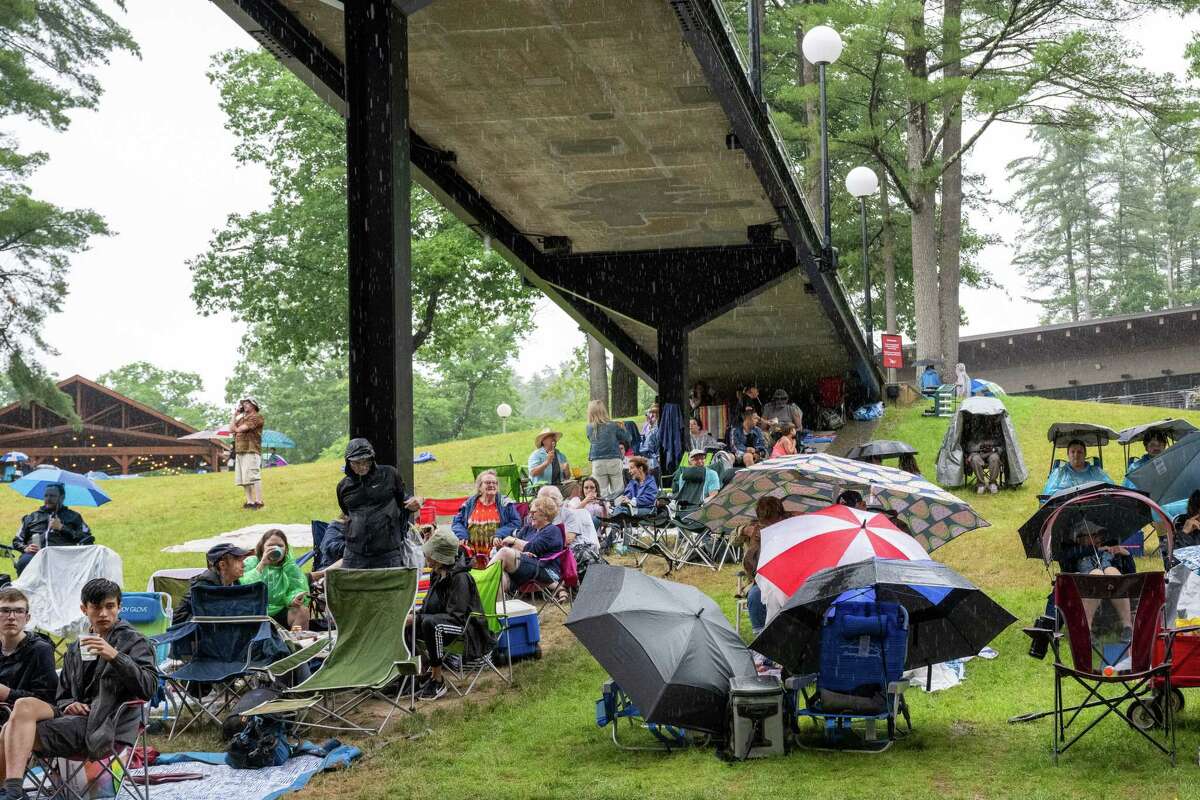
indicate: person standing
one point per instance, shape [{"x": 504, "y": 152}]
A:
[
  {"x": 378, "y": 505},
  {"x": 606, "y": 439},
  {"x": 52, "y": 525},
  {"x": 247, "y": 428}
]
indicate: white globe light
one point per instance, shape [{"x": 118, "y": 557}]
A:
[
  {"x": 822, "y": 45},
  {"x": 862, "y": 182},
  {"x": 504, "y": 411}
]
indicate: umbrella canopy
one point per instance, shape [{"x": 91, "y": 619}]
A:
[
  {"x": 1171, "y": 475},
  {"x": 796, "y": 548},
  {"x": 80, "y": 490},
  {"x": 948, "y": 616},
  {"x": 1117, "y": 509},
  {"x": 277, "y": 440},
  {"x": 97, "y": 475},
  {"x": 211, "y": 433},
  {"x": 1061, "y": 434},
  {"x": 986, "y": 387},
  {"x": 14, "y": 456},
  {"x": 881, "y": 448},
  {"x": 668, "y": 645},
  {"x": 811, "y": 482},
  {"x": 1173, "y": 429}
]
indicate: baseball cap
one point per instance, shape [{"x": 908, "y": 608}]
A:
[
  {"x": 217, "y": 552},
  {"x": 697, "y": 452}
]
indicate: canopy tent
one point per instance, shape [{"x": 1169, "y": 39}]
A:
[{"x": 976, "y": 413}]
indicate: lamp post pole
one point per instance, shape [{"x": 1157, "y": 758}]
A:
[
  {"x": 862, "y": 209},
  {"x": 822, "y": 45}
]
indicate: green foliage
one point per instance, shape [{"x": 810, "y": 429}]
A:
[
  {"x": 173, "y": 392},
  {"x": 306, "y": 402},
  {"x": 283, "y": 269},
  {"x": 568, "y": 388},
  {"x": 459, "y": 398}
]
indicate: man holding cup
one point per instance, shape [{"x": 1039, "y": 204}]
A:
[{"x": 52, "y": 525}]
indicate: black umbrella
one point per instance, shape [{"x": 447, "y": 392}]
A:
[
  {"x": 1117, "y": 509},
  {"x": 666, "y": 644},
  {"x": 1173, "y": 429},
  {"x": 881, "y": 448},
  {"x": 948, "y": 617}
]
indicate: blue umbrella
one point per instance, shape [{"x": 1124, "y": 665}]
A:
[
  {"x": 80, "y": 490},
  {"x": 277, "y": 440},
  {"x": 14, "y": 456},
  {"x": 986, "y": 387}
]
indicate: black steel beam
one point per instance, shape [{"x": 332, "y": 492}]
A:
[
  {"x": 379, "y": 255},
  {"x": 702, "y": 29}
]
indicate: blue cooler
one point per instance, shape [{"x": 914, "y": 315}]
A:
[{"x": 523, "y": 633}]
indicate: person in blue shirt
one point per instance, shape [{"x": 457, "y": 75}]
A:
[
  {"x": 1078, "y": 470},
  {"x": 746, "y": 440},
  {"x": 712, "y": 483},
  {"x": 930, "y": 380},
  {"x": 1154, "y": 442},
  {"x": 521, "y": 553},
  {"x": 641, "y": 492},
  {"x": 649, "y": 448},
  {"x": 547, "y": 464}
]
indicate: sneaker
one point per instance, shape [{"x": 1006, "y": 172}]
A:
[
  {"x": 432, "y": 690},
  {"x": 980, "y": 489},
  {"x": 993, "y": 488}
]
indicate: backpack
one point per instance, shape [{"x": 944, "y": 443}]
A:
[{"x": 261, "y": 743}]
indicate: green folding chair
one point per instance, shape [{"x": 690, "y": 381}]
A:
[
  {"x": 511, "y": 481},
  {"x": 368, "y": 654},
  {"x": 487, "y": 584}
]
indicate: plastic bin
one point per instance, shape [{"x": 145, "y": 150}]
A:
[{"x": 523, "y": 634}]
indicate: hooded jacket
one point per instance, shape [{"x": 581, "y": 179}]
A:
[
  {"x": 106, "y": 685},
  {"x": 375, "y": 505},
  {"x": 455, "y": 595},
  {"x": 28, "y": 671}
]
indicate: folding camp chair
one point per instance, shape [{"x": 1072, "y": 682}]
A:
[
  {"x": 614, "y": 705},
  {"x": 368, "y": 654},
  {"x": 863, "y": 649},
  {"x": 150, "y": 614},
  {"x": 228, "y": 639},
  {"x": 75, "y": 777},
  {"x": 318, "y": 536},
  {"x": 563, "y": 562},
  {"x": 173, "y": 582},
  {"x": 1110, "y": 663},
  {"x": 512, "y": 484},
  {"x": 495, "y": 613}
]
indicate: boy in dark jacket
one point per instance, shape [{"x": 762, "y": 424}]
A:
[
  {"x": 86, "y": 718},
  {"x": 26, "y": 658},
  {"x": 451, "y": 610}
]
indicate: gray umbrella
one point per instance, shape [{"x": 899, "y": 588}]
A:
[
  {"x": 1061, "y": 434},
  {"x": 881, "y": 448},
  {"x": 666, "y": 644},
  {"x": 1173, "y": 429},
  {"x": 1173, "y": 474},
  {"x": 948, "y": 617}
]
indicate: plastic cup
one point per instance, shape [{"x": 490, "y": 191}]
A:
[{"x": 87, "y": 653}]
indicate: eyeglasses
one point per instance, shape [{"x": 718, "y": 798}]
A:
[{"x": 9, "y": 611}]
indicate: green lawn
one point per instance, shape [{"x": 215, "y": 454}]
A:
[{"x": 538, "y": 738}]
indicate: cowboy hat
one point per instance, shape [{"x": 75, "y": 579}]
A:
[{"x": 537, "y": 440}]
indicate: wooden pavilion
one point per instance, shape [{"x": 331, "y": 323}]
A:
[{"x": 119, "y": 435}]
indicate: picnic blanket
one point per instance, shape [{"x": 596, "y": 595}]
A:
[
  {"x": 227, "y": 783},
  {"x": 298, "y": 535}
]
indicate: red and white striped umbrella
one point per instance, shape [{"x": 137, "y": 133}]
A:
[{"x": 796, "y": 548}]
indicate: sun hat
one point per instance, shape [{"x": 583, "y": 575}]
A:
[
  {"x": 441, "y": 547},
  {"x": 537, "y": 440}
]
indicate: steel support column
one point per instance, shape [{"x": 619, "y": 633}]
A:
[
  {"x": 380, "y": 268},
  {"x": 672, "y": 376}
]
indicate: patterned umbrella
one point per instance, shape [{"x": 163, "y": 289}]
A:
[
  {"x": 811, "y": 482},
  {"x": 797, "y": 547}
]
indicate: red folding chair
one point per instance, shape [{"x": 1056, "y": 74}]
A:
[
  {"x": 121, "y": 773},
  {"x": 542, "y": 594}
]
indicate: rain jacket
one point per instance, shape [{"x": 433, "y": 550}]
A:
[
  {"x": 74, "y": 530},
  {"x": 1064, "y": 475},
  {"x": 510, "y": 518},
  {"x": 644, "y": 494},
  {"x": 375, "y": 505},
  {"x": 283, "y": 582},
  {"x": 333, "y": 546},
  {"x": 106, "y": 685},
  {"x": 454, "y": 594},
  {"x": 28, "y": 671}
]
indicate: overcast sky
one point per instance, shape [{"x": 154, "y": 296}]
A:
[{"x": 155, "y": 160}]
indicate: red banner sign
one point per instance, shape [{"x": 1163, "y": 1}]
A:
[{"x": 893, "y": 351}]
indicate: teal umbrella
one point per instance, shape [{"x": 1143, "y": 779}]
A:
[{"x": 276, "y": 440}]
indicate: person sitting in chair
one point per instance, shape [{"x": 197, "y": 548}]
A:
[
  {"x": 1188, "y": 532},
  {"x": 746, "y": 440},
  {"x": 641, "y": 492},
  {"x": 226, "y": 565},
  {"x": 106, "y": 668},
  {"x": 712, "y": 483},
  {"x": 52, "y": 525},
  {"x": 521, "y": 553},
  {"x": 1092, "y": 556},
  {"x": 1155, "y": 443},
  {"x": 985, "y": 457},
  {"x": 578, "y": 526},
  {"x": 26, "y": 657},
  {"x": 852, "y": 499},
  {"x": 451, "y": 610}
]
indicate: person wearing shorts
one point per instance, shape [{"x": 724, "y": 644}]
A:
[
  {"x": 247, "y": 428},
  {"x": 86, "y": 717}
]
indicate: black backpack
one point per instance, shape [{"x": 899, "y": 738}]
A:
[{"x": 261, "y": 743}]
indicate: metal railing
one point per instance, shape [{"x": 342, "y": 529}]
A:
[{"x": 1168, "y": 398}]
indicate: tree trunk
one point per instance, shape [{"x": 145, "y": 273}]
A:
[
  {"x": 597, "y": 370},
  {"x": 624, "y": 390},
  {"x": 926, "y": 301},
  {"x": 461, "y": 422},
  {"x": 950, "y": 252},
  {"x": 1069, "y": 246},
  {"x": 1086, "y": 298},
  {"x": 887, "y": 254}
]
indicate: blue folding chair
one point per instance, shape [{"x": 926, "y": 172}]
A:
[
  {"x": 863, "y": 649},
  {"x": 150, "y": 615},
  {"x": 318, "y": 536},
  {"x": 614, "y": 705},
  {"x": 228, "y": 638}
]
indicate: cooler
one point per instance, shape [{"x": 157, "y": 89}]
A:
[
  {"x": 756, "y": 716},
  {"x": 523, "y": 632}
]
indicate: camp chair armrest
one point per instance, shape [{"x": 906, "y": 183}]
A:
[
  {"x": 799, "y": 682},
  {"x": 897, "y": 687},
  {"x": 175, "y": 633},
  {"x": 1176, "y": 631}
]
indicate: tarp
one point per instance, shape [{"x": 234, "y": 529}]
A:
[
  {"x": 267, "y": 783},
  {"x": 950, "y": 470},
  {"x": 298, "y": 536},
  {"x": 53, "y": 579}
]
